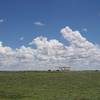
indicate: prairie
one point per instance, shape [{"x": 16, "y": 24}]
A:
[{"x": 31, "y": 85}]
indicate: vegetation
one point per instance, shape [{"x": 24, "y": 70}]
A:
[{"x": 84, "y": 85}]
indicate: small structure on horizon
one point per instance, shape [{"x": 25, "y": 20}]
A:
[{"x": 64, "y": 68}]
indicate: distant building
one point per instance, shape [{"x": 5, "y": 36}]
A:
[{"x": 64, "y": 68}]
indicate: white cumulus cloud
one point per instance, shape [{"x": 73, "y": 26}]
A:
[{"x": 80, "y": 54}]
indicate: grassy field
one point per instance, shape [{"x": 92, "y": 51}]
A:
[{"x": 50, "y": 85}]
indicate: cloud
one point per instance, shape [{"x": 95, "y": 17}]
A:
[
  {"x": 2, "y": 20},
  {"x": 38, "y": 23},
  {"x": 84, "y": 52},
  {"x": 99, "y": 14},
  {"x": 80, "y": 54},
  {"x": 21, "y": 38},
  {"x": 84, "y": 30},
  {"x": 75, "y": 38},
  {"x": 0, "y": 43}
]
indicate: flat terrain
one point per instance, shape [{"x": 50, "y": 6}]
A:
[{"x": 83, "y": 85}]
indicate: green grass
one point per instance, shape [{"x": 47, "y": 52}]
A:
[{"x": 83, "y": 85}]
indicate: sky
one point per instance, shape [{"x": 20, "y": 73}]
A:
[{"x": 29, "y": 26}]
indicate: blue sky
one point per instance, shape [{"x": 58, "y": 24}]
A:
[
  {"x": 19, "y": 17},
  {"x": 42, "y": 24}
]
